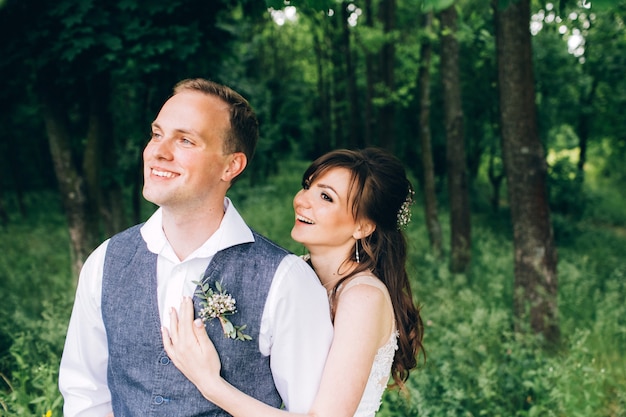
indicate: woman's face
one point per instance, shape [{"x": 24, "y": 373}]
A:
[{"x": 323, "y": 214}]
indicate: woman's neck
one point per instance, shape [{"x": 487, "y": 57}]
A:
[{"x": 330, "y": 268}]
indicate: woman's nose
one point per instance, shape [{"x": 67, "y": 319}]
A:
[{"x": 300, "y": 198}]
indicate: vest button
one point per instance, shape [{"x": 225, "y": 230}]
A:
[
  {"x": 165, "y": 360},
  {"x": 158, "y": 399}
]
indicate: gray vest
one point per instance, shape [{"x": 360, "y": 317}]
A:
[{"x": 142, "y": 379}]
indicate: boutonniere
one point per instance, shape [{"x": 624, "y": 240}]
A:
[{"x": 219, "y": 304}]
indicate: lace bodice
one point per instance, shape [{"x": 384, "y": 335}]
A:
[{"x": 377, "y": 381}]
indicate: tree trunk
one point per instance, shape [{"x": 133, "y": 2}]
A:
[
  {"x": 430, "y": 195},
  {"x": 583, "y": 127},
  {"x": 354, "y": 132},
  {"x": 460, "y": 222},
  {"x": 4, "y": 215},
  {"x": 16, "y": 174},
  {"x": 104, "y": 192},
  {"x": 370, "y": 70},
  {"x": 387, "y": 111},
  {"x": 137, "y": 187},
  {"x": 98, "y": 130},
  {"x": 72, "y": 185},
  {"x": 338, "y": 83},
  {"x": 535, "y": 286},
  {"x": 322, "y": 105},
  {"x": 495, "y": 178}
]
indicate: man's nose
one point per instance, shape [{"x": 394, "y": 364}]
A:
[{"x": 163, "y": 149}]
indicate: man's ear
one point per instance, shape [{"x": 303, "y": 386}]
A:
[
  {"x": 364, "y": 229},
  {"x": 237, "y": 162}
]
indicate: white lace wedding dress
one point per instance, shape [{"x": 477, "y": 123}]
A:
[{"x": 377, "y": 381}]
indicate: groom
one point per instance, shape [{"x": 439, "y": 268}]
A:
[{"x": 113, "y": 360}]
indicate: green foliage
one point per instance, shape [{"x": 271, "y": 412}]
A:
[
  {"x": 605, "y": 170},
  {"x": 566, "y": 188},
  {"x": 34, "y": 354},
  {"x": 37, "y": 289},
  {"x": 313, "y": 4},
  {"x": 294, "y": 73},
  {"x": 477, "y": 365}
]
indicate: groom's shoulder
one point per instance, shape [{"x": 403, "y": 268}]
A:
[
  {"x": 268, "y": 244},
  {"x": 132, "y": 233}
]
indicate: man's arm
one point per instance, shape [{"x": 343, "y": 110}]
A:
[
  {"x": 83, "y": 370},
  {"x": 297, "y": 327}
]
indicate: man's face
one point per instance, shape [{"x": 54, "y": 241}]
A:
[{"x": 184, "y": 162}]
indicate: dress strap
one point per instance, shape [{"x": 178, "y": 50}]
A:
[{"x": 372, "y": 281}]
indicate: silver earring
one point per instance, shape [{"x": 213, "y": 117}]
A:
[{"x": 357, "y": 252}]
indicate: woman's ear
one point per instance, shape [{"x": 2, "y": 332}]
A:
[
  {"x": 236, "y": 164},
  {"x": 364, "y": 229}
]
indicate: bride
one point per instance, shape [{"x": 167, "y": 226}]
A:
[{"x": 349, "y": 215}]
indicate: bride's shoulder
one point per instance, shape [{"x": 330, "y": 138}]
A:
[
  {"x": 365, "y": 289},
  {"x": 366, "y": 297}
]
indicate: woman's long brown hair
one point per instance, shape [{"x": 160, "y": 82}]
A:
[{"x": 378, "y": 190}]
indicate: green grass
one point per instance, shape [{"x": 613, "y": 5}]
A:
[
  {"x": 37, "y": 293},
  {"x": 476, "y": 365}
]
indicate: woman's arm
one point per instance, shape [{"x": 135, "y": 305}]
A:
[
  {"x": 363, "y": 321},
  {"x": 361, "y": 326}
]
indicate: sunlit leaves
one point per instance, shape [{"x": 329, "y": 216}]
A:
[
  {"x": 437, "y": 5},
  {"x": 312, "y": 4}
]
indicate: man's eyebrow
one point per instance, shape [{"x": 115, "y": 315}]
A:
[{"x": 184, "y": 131}]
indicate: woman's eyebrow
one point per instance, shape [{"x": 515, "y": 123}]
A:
[{"x": 327, "y": 187}]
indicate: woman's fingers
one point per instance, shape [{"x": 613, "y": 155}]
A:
[
  {"x": 184, "y": 319},
  {"x": 202, "y": 337},
  {"x": 180, "y": 332},
  {"x": 186, "y": 309},
  {"x": 187, "y": 344},
  {"x": 209, "y": 353}
]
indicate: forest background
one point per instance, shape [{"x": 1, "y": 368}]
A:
[{"x": 508, "y": 115}]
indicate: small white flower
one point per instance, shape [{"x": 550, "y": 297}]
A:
[
  {"x": 217, "y": 305},
  {"x": 404, "y": 214}
]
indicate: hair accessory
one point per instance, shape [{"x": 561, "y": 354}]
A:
[
  {"x": 356, "y": 251},
  {"x": 404, "y": 214}
]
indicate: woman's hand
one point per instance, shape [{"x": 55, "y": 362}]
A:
[{"x": 189, "y": 347}]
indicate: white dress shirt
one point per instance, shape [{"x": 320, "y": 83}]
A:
[{"x": 295, "y": 327}]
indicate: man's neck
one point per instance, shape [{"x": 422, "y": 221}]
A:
[{"x": 186, "y": 232}]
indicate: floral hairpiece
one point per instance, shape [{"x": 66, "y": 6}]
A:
[
  {"x": 217, "y": 305},
  {"x": 404, "y": 214}
]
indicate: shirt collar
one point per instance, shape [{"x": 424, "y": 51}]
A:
[{"x": 233, "y": 231}]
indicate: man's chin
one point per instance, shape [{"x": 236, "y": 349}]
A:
[{"x": 151, "y": 196}]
